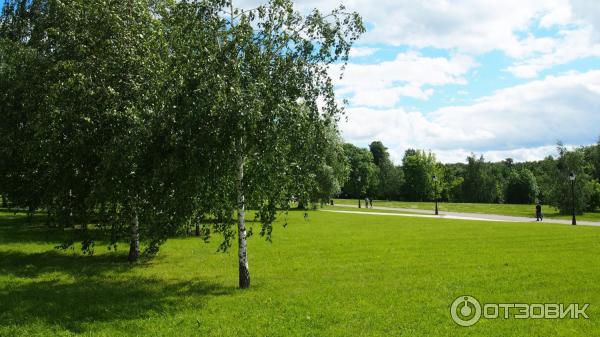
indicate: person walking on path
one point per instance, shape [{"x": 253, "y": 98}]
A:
[
  {"x": 366, "y": 202},
  {"x": 371, "y": 202},
  {"x": 538, "y": 212}
]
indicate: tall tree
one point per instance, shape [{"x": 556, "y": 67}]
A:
[
  {"x": 592, "y": 156},
  {"x": 333, "y": 172},
  {"x": 22, "y": 69},
  {"x": 521, "y": 187},
  {"x": 390, "y": 176},
  {"x": 108, "y": 62},
  {"x": 391, "y": 179},
  {"x": 272, "y": 73},
  {"x": 452, "y": 183},
  {"x": 545, "y": 172},
  {"x": 380, "y": 153},
  {"x": 480, "y": 184},
  {"x": 98, "y": 71},
  {"x": 561, "y": 196},
  {"x": 419, "y": 168},
  {"x": 363, "y": 172}
]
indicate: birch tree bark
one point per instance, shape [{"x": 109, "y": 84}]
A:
[
  {"x": 244, "y": 272},
  {"x": 134, "y": 243}
]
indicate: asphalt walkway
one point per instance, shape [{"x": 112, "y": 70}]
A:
[{"x": 422, "y": 213}]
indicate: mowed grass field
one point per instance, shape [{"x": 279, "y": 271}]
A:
[
  {"x": 500, "y": 209},
  {"x": 331, "y": 275}
]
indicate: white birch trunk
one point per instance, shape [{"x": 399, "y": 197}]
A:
[
  {"x": 241, "y": 210},
  {"x": 134, "y": 243}
]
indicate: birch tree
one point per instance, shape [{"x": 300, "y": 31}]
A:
[
  {"x": 156, "y": 113},
  {"x": 275, "y": 101},
  {"x": 21, "y": 98},
  {"x": 103, "y": 99},
  {"x": 91, "y": 94}
]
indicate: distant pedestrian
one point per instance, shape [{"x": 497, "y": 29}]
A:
[
  {"x": 371, "y": 202},
  {"x": 538, "y": 212},
  {"x": 366, "y": 202}
]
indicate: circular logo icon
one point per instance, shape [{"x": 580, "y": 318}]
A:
[{"x": 465, "y": 310}]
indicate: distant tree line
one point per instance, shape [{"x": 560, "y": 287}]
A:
[{"x": 547, "y": 181}]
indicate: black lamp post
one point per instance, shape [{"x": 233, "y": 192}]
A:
[
  {"x": 572, "y": 178},
  {"x": 435, "y": 195},
  {"x": 359, "y": 189}
]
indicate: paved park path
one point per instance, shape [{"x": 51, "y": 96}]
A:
[{"x": 422, "y": 213}]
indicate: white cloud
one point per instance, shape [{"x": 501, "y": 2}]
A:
[
  {"x": 362, "y": 51},
  {"x": 588, "y": 11},
  {"x": 521, "y": 154},
  {"x": 383, "y": 84},
  {"x": 521, "y": 122},
  {"x": 570, "y": 46},
  {"x": 471, "y": 26},
  {"x": 533, "y": 114},
  {"x": 475, "y": 27}
]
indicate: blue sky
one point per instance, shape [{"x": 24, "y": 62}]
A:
[{"x": 503, "y": 78}]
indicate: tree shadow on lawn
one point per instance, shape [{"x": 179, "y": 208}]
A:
[
  {"x": 20, "y": 228},
  {"x": 92, "y": 295},
  {"x": 35, "y": 264},
  {"x": 70, "y": 290}
]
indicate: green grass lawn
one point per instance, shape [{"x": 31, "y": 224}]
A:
[
  {"x": 500, "y": 209},
  {"x": 333, "y": 275}
]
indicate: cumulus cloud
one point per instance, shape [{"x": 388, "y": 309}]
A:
[
  {"x": 383, "y": 84},
  {"x": 468, "y": 25},
  {"x": 522, "y": 122},
  {"x": 475, "y": 27},
  {"x": 570, "y": 46},
  {"x": 472, "y": 26},
  {"x": 478, "y": 26},
  {"x": 362, "y": 52},
  {"x": 588, "y": 11},
  {"x": 520, "y": 154}
]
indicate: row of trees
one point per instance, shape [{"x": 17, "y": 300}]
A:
[
  {"x": 373, "y": 174},
  {"x": 144, "y": 116}
]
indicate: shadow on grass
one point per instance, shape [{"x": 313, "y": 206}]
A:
[
  {"x": 94, "y": 292},
  {"x": 20, "y": 228},
  {"x": 68, "y": 291},
  {"x": 71, "y": 305},
  {"x": 20, "y": 264}
]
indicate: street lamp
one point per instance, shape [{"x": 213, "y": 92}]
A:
[
  {"x": 358, "y": 187},
  {"x": 572, "y": 178},
  {"x": 435, "y": 195}
]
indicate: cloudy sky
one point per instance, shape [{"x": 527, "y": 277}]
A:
[{"x": 502, "y": 78}]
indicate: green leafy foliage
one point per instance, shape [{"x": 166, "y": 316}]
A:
[
  {"x": 567, "y": 192},
  {"x": 363, "y": 175},
  {"x": 391, "y": 177},
  {"x": 146, "y": 116},
  {"x": 480, "y": 181},
  {"x": 521, "y": 187},
  {"x": 480, "y": 184},
  {"x": 419, "y": 168}
]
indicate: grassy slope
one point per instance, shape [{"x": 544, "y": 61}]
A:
[
  {"x": 500, "y": 209},
  {"x": 334, "y": 275}
]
